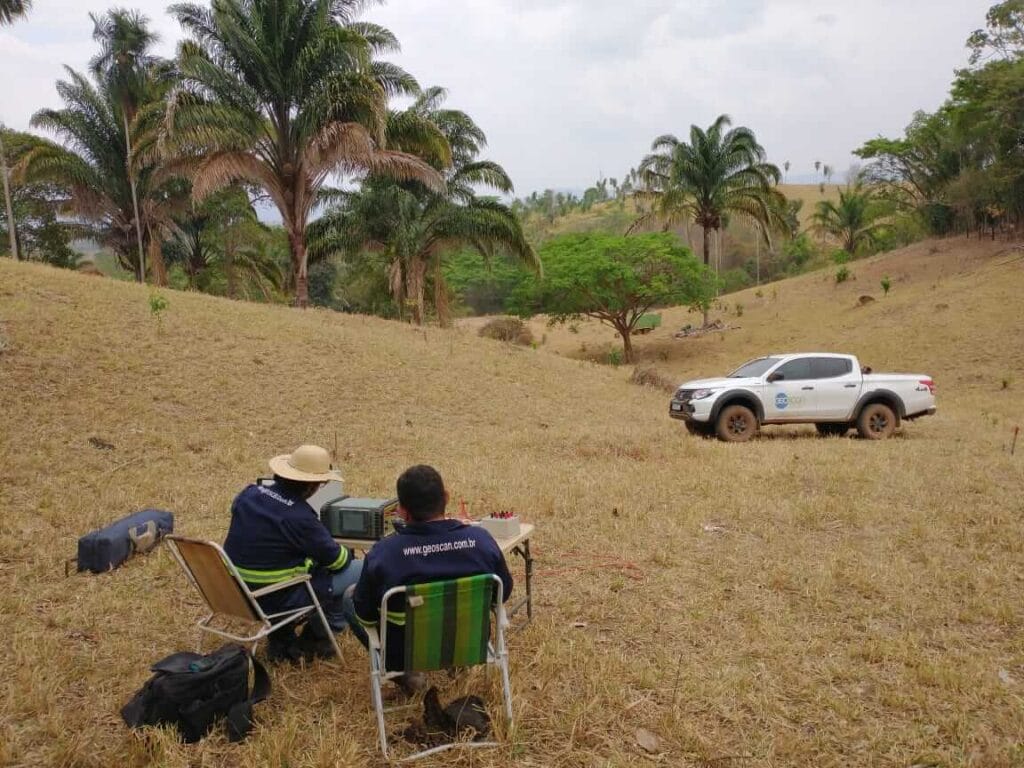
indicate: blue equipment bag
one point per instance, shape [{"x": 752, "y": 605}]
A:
[{"x": 109, "y": 547}]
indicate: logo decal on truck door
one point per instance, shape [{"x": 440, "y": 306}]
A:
[{"x": 781, "y": 401}]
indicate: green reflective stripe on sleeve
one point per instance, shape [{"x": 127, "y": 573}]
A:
[
  {"x": 254, "y": 576},
  {"x": 397, "y": 617},
  {"x": 341, "y": 561},
  {"x": 366, "y": 622}
]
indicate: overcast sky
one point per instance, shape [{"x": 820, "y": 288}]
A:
[{"x": 570, "y": 89}]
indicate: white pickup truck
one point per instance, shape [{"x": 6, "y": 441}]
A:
[{"x": 830, "y": 391}]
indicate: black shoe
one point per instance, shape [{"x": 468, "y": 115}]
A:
[
  {"x": 314, "y": 644},
  {"x": 283, "y": 645}
]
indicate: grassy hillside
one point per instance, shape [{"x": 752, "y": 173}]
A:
[{"x": 789, "y": 602}]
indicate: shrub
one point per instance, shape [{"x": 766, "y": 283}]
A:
[
  {"x": 842, "y": 275},
  {"x": 839, "y": 256},
  {"x": 158, "y": 304},
  {"x": 797, "y": 252},
  {"x": 649, "y": 376},
  {"x": 615, "y": 357},
  {"x": 735, "y": 280},
  {"x": 886, "y": 285},
  {"x": 510, "y": 329},
  {"x": 739, "y": 309}
]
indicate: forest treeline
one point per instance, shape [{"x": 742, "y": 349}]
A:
[{"x": 156, "y": 168}]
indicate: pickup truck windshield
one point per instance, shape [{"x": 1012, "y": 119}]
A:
[{"x": 754, "y": 368}]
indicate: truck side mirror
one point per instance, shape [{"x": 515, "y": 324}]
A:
[{"x": 775, "y": 377}]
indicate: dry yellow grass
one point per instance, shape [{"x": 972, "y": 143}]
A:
[{"x": 788, "y": 602}]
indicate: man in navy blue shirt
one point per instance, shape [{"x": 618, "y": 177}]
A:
[
  {"x": 429, "y": 548},
  {"x": 275, "y": 535}
]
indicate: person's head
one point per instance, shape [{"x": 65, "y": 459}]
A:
[
  {"x": 296, "y": 488},
  {"x": 421, "y": 494},
  {"x": 304, "y": 471}
]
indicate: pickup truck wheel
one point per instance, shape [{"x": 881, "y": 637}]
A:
[
  {"x": 876, "y": 422},
  {"x": 736, "y": 424},
  {"x": 831, "y": 429}
]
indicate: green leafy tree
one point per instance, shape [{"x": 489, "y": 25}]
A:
[
  {"x": 961, "y": 167},
  {"x": 281, "y": 94},
  {"x": 855, "y": 220},
  {"x": 615, "y": 280},
  {"x": 484, "y": 285},
  {"x": 1003, "y": 36},
  {"x": 11, "y": 10},
  {"x": 417, "y": 227},
  {"x": 916, "y": 171},
  {"x": 5, "y": 181},
  {"x": 38, "y": 233},
  {"x": 720, "y": 172}
]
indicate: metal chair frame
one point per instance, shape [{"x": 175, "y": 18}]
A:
[
  {"x": 497, "y": 655},
  {"x": 255, "y": 614}
]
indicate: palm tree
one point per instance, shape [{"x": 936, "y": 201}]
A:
[
  {"x": 414, "y": 226},
  {"x": 221, "y": 246},
  {"x": 856, "y": 220},
  {"x": 92, "y": 166},
  {"x": 720, "y": 172},
  {"x": 127, "y": 67},
  {"x": 281, "y": 94},
  {"x": 13, "y": 9}
]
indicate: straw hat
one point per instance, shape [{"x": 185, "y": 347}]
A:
[{"x": 307, "y": 463}]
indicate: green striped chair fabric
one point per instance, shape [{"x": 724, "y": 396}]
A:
[{"x": 448, "y": 623}]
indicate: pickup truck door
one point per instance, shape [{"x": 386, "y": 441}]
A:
[
  {"x": 793, "y": 397},
  {"x": 837, "y": 383}
]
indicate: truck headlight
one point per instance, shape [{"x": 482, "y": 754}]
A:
[{"x": 702, "y": 394}]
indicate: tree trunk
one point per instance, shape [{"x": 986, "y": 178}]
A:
[
  {"x": 11, "y": 230},
  {"x": 229, "y": 267},
  {"x": 297, "y": 240},
  {"x": 415, "y": 290},
  {"x": 627, "y": 344},
  {"x": 757, "y": 257},
  {"x": 444, "y": 315},
  {"x": 707, "y": 261},
  {"x": 135, "y": 196},
  {"x": 396, "y": 284},
  {"x": 156, "y": 260}
]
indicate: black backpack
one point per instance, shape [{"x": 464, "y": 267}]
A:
[{"x": 193, "y": 691}]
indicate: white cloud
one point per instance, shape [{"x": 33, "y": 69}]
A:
[{"x": 566, "y": 89}]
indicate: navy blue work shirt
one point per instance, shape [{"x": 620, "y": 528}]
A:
[
  {"x": 423, "y": 552},
  {"x": 275, "y": 536}
]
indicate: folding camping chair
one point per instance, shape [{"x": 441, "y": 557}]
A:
[
  {"x": 218, "y": 581},
  {"x": 447, "y": 625}
]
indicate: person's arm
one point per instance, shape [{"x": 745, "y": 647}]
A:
[
  {"x": 366, "y": 599},
  {"x": 316, "y": 543},
  {"x": 506, "y": 577},
  {"x": 499, "y": 566}
]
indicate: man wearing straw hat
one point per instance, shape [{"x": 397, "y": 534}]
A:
[{"x": 275, "y": 535}]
